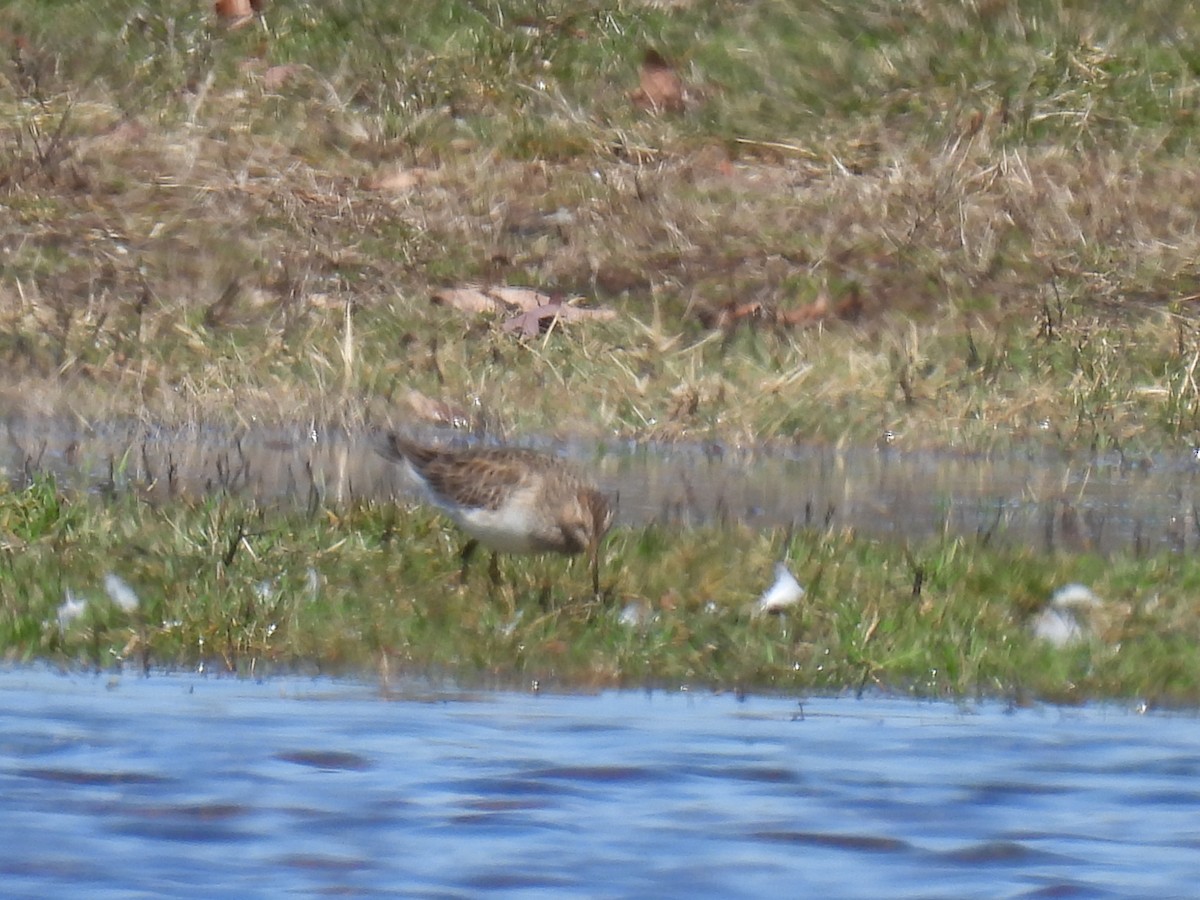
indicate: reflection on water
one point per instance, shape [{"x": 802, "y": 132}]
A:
[
  {"x": 1101, "y": 504},
  {"x": 185, "y": 786}
]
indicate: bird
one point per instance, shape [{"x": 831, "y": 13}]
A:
[{"x": 508, "y": 499}]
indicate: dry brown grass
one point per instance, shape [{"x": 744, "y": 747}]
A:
[{"x": 949, "y": 266}]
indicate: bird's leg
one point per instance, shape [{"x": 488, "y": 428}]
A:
[
  {"x": 494, "y": 568},
  {"x": 596, "y": 572},
  {"x": 467, "y": 550}
]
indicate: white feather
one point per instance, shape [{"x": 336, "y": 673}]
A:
[
  {"x": 120, "y": 593},
  {"x": 785, "y": 592},
  {"x": 72, "y": 608},
  {"x": 1064, "y": 620}
]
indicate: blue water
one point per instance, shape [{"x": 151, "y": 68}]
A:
[{"x": 191, "y": 786}]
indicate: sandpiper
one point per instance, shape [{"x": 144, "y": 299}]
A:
[{"x": 510, "y": 500}]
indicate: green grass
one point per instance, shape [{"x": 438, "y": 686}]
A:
[{"x": 373, "y": 589}]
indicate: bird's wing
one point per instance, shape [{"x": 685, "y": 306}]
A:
[
  {"x": 473, "y": 479},
  {"x": 478, "y": 478}
]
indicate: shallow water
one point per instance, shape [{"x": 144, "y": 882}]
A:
[
  {"x": 1104, "y": 504},
  {"x": 189, "y": 786}
]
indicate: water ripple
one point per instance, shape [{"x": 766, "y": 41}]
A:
[{"x": 183, "y": 786}]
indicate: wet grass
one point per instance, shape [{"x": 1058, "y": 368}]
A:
[{"x": 232, "y": 587}]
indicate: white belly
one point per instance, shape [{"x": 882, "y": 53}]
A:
[{"x": 509, "y": 529}]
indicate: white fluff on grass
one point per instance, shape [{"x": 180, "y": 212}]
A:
[
  {"x": 1064, "y": 621},
  {"x": 635, "y": 614},
  {"x": 72, "y": 608},
  {"x": 120, "y": 593},
  {"x": 784, "y": 593},
  {"x": 118, "y": 590}
]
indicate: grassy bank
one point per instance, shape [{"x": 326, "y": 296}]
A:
[
  {"x": 956, "y": 224},
  {"x": 374, "y": 590},
  {"x": 967, "y": 225}
]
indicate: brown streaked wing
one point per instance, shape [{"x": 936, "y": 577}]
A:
[
  {"x": 479, "y": 478},
  {"x": 476, "y": 479}
]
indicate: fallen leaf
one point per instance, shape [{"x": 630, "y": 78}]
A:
[
  {"x": 470, "y": 300},
  {"x": 533, "y": 321},
  {"x": 15, "y": 42},
  {"x": 520, "y": 298},
  {"x": 730, "y": 314},
  {"x": 498, "y": 298},
  {"x": 661, "y": 87},
  {"x": 746, "y": 310},
  {"x": 535, "y": 311},
  {"x": 848, "y": 309},
  {"x": 806, "y": 315},
  {"x": 235, "y": 13}
]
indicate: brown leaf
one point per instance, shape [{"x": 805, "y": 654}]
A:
[
  {"x": 532, "y": 321},
  {"x": 470, "y": 300},
  {"x": 473, "y": 299},
  {"x": 519, "y": 298},
  {"x": 14, "y": 42},
  {"x": 730, "y": 314},
  {"x": 807, "y": 315},
  {"x": 661, "y": 87},
  {"x": 540, "y": 318},
  {"x": 746, "y": 310},
  {"x": 234, "y": 13},
  {"x": 847, "y": 309},
  {"x": 535, "y": 311}
]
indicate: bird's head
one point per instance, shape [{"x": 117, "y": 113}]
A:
[{"x": 586, "y": 521}]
